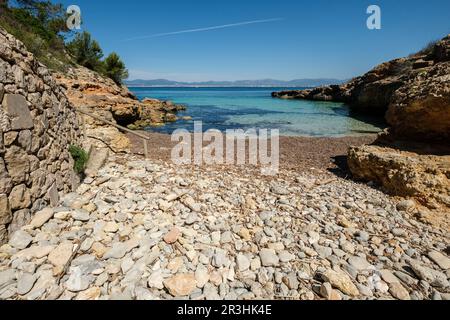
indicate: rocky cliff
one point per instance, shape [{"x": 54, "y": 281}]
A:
[
  {"x": 412, "y": 158},
  {"x": 37, "y": 126},
  {"x": 101, "y": 96}
]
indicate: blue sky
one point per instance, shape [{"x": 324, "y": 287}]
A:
[{"x": 303, "y": 39}]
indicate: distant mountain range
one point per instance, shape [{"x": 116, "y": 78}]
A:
[{"x": 239, "y": 83}]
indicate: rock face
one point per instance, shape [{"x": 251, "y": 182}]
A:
[
  {"x": 37, "y": 125},
  {"x": 420, "y": 109},
  {"x": 414, "y": 91},
  {"x": 101, "y": 96},
  {"x": 414, "y": 94},
  {"x": 404, "y": 173}
]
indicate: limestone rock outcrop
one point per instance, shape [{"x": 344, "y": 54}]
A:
[
  {"x": 93, "y": 93},
  {"x": 412, "y": 158},
  {"x": 420, "y": 109},
  {"x": 37, "y": 126},
  {"x": 405, "y": 173}
]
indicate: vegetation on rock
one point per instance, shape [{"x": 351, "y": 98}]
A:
[
  {"x": 41, "y": 26},
  {"x": 80, "y": 157}
]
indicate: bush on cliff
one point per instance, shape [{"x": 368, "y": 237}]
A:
[
  {"x": 114, "y": 68},
  {"x": 41, "y": 26}
]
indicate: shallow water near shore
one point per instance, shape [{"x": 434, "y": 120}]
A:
[{"x": 244, "y": 108}]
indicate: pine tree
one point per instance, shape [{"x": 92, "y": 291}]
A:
[{"x": 114, "y": 68}]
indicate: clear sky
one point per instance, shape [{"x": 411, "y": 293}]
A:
[{"x": 279, "y": 39}]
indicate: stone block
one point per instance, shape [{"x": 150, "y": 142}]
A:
[
  {"x": 17, "y": 164},
  {"x": 5, "y": 211},
  {"x": 20, "y": 197},
  {"x": 16, "y": 107}
]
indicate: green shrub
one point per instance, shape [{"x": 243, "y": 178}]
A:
[
  {"x": 86, "y": 51},
  {"x": 114, "y": 68},
  {"x": 40, "y": 27},
  {"x": 80, "y": 157}
]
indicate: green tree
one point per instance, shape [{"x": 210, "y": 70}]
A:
[
  {"x": 86, "y": 51},
  {"x": 115, "y": 68}
]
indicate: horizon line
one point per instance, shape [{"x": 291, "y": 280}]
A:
[{"x": 259, "y": 79}]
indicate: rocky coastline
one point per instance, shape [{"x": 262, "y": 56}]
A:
[
  {"x": 95, "y": 94},
  {"x": 148, "y": 229},
  {"x": 412, "y": 157}
]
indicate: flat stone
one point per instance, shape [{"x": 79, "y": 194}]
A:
[
  {"x": 172, "y": 236},
  {"x": 340, "y": 281},
  {"x": 181, "y": 285},
  {"x": 16, "y": 107},
  {"x": 388, "y": 277},
  {"x": 242, "y": 263},
  {"x": 191, "y": 219},
  {"x": 441, "y": 260},
  {"x": 279, "y": 190},
  {"x": 80, "y": 215},
  {"x": 156, "y": 280},
  {"x": 41, "y": 217},
  {"x": 291, "y": 281},
  {"x": 286, "y": 256},
  {"x": 269, "y": 258},
  {"x": 327, "y": 292},
  {"x": 111, "y": 227},
  {"x": 97, "y": 159},
  {"x": 226, "y": 237},
  {"x": 398, "y": 291},
  {"x": 405, "y": 278},
  {"x": 201, "y": 275},
  {"x": 20, "y": 239},
  {"x": 37, "y": 252},
  {"x": 78, "y": 281},
  {"x": 220, "y": 259},
  {"x": 406, "y": 205},
  {"x": 359, "y": 263},
  {"x": 7, "y": 276},
  {"x": 244, "y": 233},
  {"x": 435, "y": 278},
  {"x": 89, "y": 294},
  {"x": 61, "y": 254},
  {"x": 25, "y": 283},
  {"x": 175, "y": 264},
  {"x": 118, "y": 251}
]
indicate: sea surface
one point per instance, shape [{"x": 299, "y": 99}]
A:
[{"x": 245, "y": 108}]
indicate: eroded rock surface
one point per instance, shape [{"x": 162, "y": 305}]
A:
[
  {"x": 100, "y": 96},
  {"x": 425, "y": 178}
]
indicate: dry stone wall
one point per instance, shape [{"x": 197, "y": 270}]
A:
[{"x": 37, "y": 125}]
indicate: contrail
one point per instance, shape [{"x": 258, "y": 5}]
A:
[{"x": 205, "y": 29}]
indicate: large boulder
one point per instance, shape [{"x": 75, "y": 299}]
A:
[{"x": 404, "y": 173}]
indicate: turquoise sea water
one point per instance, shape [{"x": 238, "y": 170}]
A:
[{"x": 244, "y": 108}]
